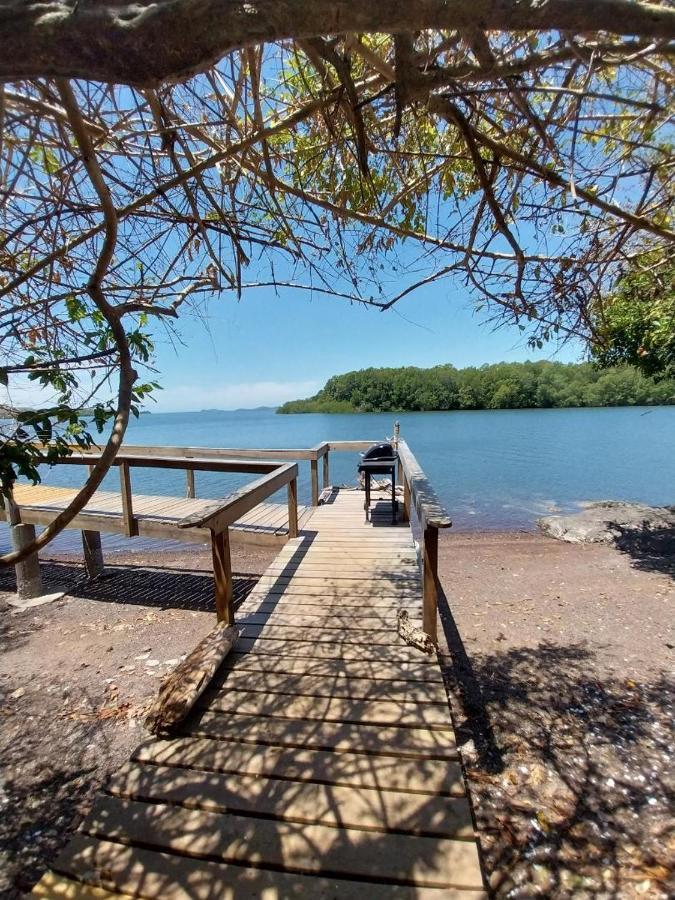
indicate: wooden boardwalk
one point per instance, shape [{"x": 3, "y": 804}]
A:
[{"x": 320, "y": 763}]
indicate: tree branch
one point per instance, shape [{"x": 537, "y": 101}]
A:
[{"x": 145, "y": 42}]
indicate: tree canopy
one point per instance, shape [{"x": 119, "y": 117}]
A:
[
  {"x": 209, "y": 149},
  {"x": 635, "y": 323},
  {"x": 530, "y": 385}
]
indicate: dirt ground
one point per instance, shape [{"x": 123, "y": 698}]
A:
[
  {"x": 560, "y": 670},
  {"x": 557, "y": 661}
]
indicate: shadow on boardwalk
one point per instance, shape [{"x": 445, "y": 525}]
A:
[{"x": 570, "y": 771}]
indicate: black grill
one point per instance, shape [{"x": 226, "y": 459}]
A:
[{"x": 380, "y": 451}]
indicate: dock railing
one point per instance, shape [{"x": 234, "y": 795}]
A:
[
  {"x": 217, "y": 517},
  {"x": 419, "y": 499},
  {"x": 311, "y": 454}
]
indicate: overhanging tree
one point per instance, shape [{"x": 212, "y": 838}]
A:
[{"x": 523, "y": 148}]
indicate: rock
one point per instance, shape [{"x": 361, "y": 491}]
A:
[{"x": 609, "y": 521}]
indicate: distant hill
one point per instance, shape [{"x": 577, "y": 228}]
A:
[{"x": 528, "y": 385}]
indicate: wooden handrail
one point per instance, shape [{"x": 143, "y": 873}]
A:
[
  {"x": 430, "y": 510},
  {"x": 219, "y": 515},
  {"x": 222, "y": 513},
  {"x": 200, "y": 464},
  {"x": 280, "y": 453},
  {"x": 432, "y": 516}
]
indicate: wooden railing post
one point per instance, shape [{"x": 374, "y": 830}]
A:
[
  {"x": 130, "y": 524},
  {"x": 222, "y": 575},
  {"x": 293, "y": 508},
  {"x": 326, "y": 470},
  {"x": 190, "y": 482},
  {"x": 406, "y": 499},
  {"x": 314, "y": 466},
  {"x": 93, "y": 553},
  {"x": 430, "y": 581}
]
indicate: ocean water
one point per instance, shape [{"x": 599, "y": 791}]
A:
[{"x": 494, "y": 470}]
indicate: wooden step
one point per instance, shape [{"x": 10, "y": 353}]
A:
[
  {"x": 380, "y": 740},
  {"x": 358, "y": 770},
  {"x": 302, "y": 802},
  {"x": 158, "y": 875},
  {"x": 317, "y": 849}
]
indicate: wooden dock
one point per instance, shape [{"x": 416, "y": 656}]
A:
[
  {"x": 156, "y": 516},
  {"x": 321, "y": 762}
]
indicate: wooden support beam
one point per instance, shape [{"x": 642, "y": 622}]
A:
[
  {"x": 406, "y": 500},
  {"x": 430, "y": 580},
  {"x": 326, "y": 471},
  {"x": 93, "y": 553},
  {"x": 130, "y": 524},
  {"x": 222, "y": 575},
  {"x": 28, "y": 577},
  {"x": 293, "y": 508},
  {"x": 314, "y": 465},
  {"x": 190, "y": 483}
]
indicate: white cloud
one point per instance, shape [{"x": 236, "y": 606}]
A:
[
  {"x": 183, "y": 398},
  {"x": 231, "y": 396}
]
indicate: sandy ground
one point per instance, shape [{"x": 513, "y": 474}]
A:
[{"x": 557, "y": 660}]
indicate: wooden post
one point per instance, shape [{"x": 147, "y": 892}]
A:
[
  {"x": 222, "y": 575},
  {"x": 130, "y": 525},
  {"x": 326, "y": 470},
  {"x": 93, "y": 553},
  {"x": 190, "y": 481},
  {"x": 28, "y": 577},
  {"x": 430, "y": 576},
  {"x": 406, "y": 499},
  {"x": 293, "y": 508},
  {"x": 314, "y": 464}
]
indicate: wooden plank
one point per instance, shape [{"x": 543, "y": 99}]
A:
[
  {"x": 360, "y": 596},
  {"x": 314, "y": 478},
  {"x": 357, "y": 667},
  {"x": 365, "y": 638},
  {"x": 233, "y": 507},
  {"x": 92, "y": 553},
  {"x": 302, "y": 802},
  {"x": 293, "y": 508},
  {"x": 56, "y": 886},
  {"x": 328, "y": 650},
  {"x": 152, "y": 874},
  {"x": 380, "y": 740},
  {"x": 251, "y": 453},
  {"x": 130, "y": 525},
  {"x": 222, "y": 575},
  {"x": 434, "y": 716},
  {"x": 293, "y": 618},
  {"x": 428, "y": 861},
  {"x": 268, "y": 601},
  {"x": 430, "y": 590},
  {"x": 429, "y": 507},
  {"x": 337, "y": 686},
  {"x": 418, "y": 776}
]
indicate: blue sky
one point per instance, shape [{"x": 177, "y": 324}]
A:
[{"x": 265, "y": 348}]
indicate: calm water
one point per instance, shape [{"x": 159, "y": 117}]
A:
[{"x": 494, "y": 470}]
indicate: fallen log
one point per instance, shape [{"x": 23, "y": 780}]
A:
[
  {"x": 189, "y": 680},
  {"x": 414, "y": 637}
]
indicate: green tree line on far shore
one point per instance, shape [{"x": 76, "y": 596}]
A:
[{"x": 528, "y": 385}]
